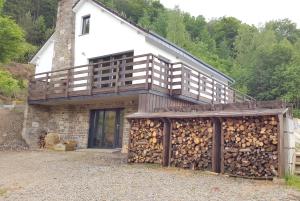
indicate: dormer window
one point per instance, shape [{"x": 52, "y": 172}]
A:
[{"x": 86, "y": 25}]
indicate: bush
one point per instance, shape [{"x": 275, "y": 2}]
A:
[{"x": 8, "y": 85}]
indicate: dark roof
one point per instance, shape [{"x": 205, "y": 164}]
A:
[
  {"x": 159, "y": 38},
  {"x": 232, "y": 113}
]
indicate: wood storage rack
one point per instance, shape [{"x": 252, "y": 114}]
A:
[
  {"x": 192, "y": 143},
  {"x": 242, "y": 142},
  {"x": 250, "y": 146}
]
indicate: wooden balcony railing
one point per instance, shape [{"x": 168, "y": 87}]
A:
[{"x": 142, "y": 72}]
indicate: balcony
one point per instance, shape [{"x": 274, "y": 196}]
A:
[{"x": 132, "y": 74}]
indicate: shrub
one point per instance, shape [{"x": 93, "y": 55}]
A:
[{"x": 8, "y": 85}]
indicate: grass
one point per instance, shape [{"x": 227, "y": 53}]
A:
[
  {"x": 293, "y": 181},
  {"x": 2, "y": 191}
]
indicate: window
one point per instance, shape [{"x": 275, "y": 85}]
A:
[{"x": 86, "y": 24}]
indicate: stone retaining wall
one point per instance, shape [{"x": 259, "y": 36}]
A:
[{"x": 70, "y": 121}]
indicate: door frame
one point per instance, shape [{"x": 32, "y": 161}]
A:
[{"x": 93, "y": 125}]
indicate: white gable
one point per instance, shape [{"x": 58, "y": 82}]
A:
[
  {"x": 111, "y": 34},
  {"x": 43, "y": 59},
  {"x": 108, "y": 34}
]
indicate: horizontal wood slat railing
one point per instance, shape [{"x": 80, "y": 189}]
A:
[{"x": 142, "y": 72}]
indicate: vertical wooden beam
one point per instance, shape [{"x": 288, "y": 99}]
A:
[
  {"x": 199, "y": 85},
  {"x": 234, "y": 97},
  {"x": 117, "y": 77},
  {"x": 152, "y": 71},
  {"x": 225, "y": 95},
  {"x": 67, "y": 84},
  {"x": 123, "y": 69},
  {"x": 170, "y": 142},
  {"x": 216, "y": 149},
  {"x": 166, "y": 142},
  {"x": 222, "y": 169},
  {"x": 171, "y": 78},
  {"x": 91, "y": 79},
  {"x": 147, "y": 73},
  {"x": 281, "y": 166},
  {"x": 182, "y": 80},
  {"x": 213, "y": 90}
]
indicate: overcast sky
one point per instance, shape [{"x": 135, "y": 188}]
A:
[{"x": 254, "y": 12}]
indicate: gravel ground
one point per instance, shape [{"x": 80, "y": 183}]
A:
[{"x": 102, "y": 176}]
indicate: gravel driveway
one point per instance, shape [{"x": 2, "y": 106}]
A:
[{"x": 98, "y": 176}]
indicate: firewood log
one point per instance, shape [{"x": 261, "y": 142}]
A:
[
  {"x": 146, "y": 141},
  {"x": 191, "y": 142},
  {"x": 251, "y": 146}
]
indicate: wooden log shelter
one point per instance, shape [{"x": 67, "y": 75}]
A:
[{"x": 244, "y": 140}]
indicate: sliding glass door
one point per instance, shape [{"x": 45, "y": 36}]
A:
[{"x": 106, "y": 129}]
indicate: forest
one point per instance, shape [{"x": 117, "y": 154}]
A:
[{"x": 264, "y": 60}]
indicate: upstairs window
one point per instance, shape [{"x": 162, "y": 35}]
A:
[{"x": 86, "y": 25}]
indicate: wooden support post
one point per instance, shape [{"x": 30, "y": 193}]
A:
[
  {"x": 147, "y": 73},
  {"x": 182, "y": 80},
  {"x": 91, "y": 79},
  {"x": 117, "y": 77},
  {"x": 213, "y": 90},
  {"x": 67, "y": 84},
  {"x": 225, "y": 95},
  {"x": 170, "y": 79},
  {"x": 166, "y": 142},
  {"x": 152, "y": 72},
  {"x": 281, "y": 165},
  {"x": 216, "y": 149},
  {"x": 234, "y": 97},
  {"x": 199, "y": 86},
  {"x": 170, "y": 142},
  {"x": 222, "y": 169}
]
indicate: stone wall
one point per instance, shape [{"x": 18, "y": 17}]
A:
[
  {"x": 64, "y": 35},
  {"x": 71, "y": 122}
]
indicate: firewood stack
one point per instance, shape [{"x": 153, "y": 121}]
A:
[
  {"x": 146, "y": 141},
  {"x": 192, "y": 141},
  {"x": 41, "y": 141},
  {"x": 250, "y": 146}
]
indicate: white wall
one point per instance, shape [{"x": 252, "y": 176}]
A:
[
  {"x": 108, "y": 35},
  {"x": 43, "y": 60}
]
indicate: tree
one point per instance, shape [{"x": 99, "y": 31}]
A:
[
  {"x": 284, "y": 29},
  {"x": 225, "y": 31},
  {"x": 1, "y": 5},
  {"x": 8, "y": 85},
  {"x": 176, "y": 31},
  {"x": 11, "y": 40}
]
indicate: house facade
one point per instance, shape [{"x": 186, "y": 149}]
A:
[{"x": 98, "y": 67}]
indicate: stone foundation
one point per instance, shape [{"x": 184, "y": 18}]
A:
[{"x": 71, "y": 122}]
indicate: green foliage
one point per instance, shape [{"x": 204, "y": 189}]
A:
[
  {"x": 293, "y": 181},
  {"x": 264, "y": 61},
  {"x": 36, "y": 17},
  {"x": 12, "y": 40},
  {"x": 1, "y": 6},
  {"x": 8, "y": 85}
]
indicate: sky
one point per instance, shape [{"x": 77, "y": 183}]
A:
[{"x": 255, "y": 12}]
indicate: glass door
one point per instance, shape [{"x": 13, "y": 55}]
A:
[{"x": 105, "y": 129}]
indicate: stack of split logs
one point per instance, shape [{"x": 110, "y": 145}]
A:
[
  {"x": 146, "y": 141},
  {"x": 191, "y": 143},
  {"x": 251, "y": 146}
]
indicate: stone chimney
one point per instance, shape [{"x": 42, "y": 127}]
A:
[{"x": 64, "y": 35}]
